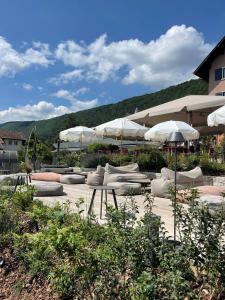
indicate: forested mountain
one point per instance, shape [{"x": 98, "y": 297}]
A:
[{"x": 49, "y": 129}]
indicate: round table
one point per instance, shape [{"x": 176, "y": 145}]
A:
[{"x": 102, "y": 188}]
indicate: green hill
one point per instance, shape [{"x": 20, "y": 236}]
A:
[{"x": 48, "y": 129}]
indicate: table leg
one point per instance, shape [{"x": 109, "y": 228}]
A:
[
  {"x": 92, "y": 201},
  {"x": 114, "y": 198},
  {"x": 101, "y": 204},
  {"x": 17, "y": 182},
  {"x": 106, "y": 199}
]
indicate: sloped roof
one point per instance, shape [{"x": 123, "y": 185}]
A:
[
  {"x": 5, "y": 134},
  {"x": 202, "y": 70}
]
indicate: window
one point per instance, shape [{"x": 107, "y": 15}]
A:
[
  {"x": 220, "y": 94},
  {"x": 219, "y": 74},
  {"x": 10, "y": 142},
  {"x": 15, "y": 142}
]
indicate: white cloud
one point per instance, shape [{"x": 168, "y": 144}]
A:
[
  {"x": 71, "y": 96},
  {"x": 170, "y": 59},
  {"x": 12, "y": 61},
  {"x": 76, "y": 104},
  {"x": 82, "y": 91},
  {"x": 66, "y": 77},
  {"x": 64, "y": 94},
  {"x": 42, "y": 110},
  {"x": 27, "y": 86}
]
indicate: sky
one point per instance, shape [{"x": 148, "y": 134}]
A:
[{"x": 62, "y": 56}]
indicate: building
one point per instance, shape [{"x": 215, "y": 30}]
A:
[
  {"x": 212, "y": 69},
  {"x": 11, "y": 141}
]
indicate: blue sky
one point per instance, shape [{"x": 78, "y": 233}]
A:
[{"x": 59, "y": 56}]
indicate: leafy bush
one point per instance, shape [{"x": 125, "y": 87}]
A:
[
  {"x": 71, "y": 159},
  {"x": 211, "y": 167},
  {"x": 124, "y": 258},
  {"x": 151, "y": 160},
  {"x": 95, "y": 147},
  {"x": 184, "y": 162}
]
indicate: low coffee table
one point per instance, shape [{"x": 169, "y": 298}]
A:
[
  {"x": 144, "y": 182},
  {"x": 102, "y": 188}
]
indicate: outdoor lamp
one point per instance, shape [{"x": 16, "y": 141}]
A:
[{"x": 175, "y": 137}]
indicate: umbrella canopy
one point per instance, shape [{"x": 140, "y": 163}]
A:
[
  {"x": 121, "y": 128},
  {"x": 162, "y": 131},
  {"x": 78, "y": 133},
  {"x": 217, "y": 117}
]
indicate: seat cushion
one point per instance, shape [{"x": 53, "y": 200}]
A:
[
  {"x": 211, "y": 190},
  {"x": 10, "y": 179},
  {"x": 57, "y": 170},
  {"x": 214, "y": 202},
  {"x": 123, "y": 177},
  {"x": 72, "y": 179},
  {"x": 126, "y": 188},
  {"x": 46, "y": 176},
  {"x": 43, "y": 189}
]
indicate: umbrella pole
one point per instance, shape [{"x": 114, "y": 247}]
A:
[{"x": 175, "y": 195}]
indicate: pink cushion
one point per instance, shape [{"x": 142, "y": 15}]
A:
[
  {"x": 211, "y": 190},
  {"x": 46, "y": 176}
]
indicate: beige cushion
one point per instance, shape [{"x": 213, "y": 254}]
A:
[
  {"x": 126, "y": 188},
  {"x": 119, "y": 177},
  {"x": 97, "y": 177},
  {"x": 43, "y": 189},
  {"x": 193, "y": 177},
  {"x": 72, "y": 179},
  {"x": 124, "y": 169}
]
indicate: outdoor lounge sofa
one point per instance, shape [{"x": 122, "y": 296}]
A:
[
  {"x": 118, "y": 176},
  {"x": 192, "y": 178}
]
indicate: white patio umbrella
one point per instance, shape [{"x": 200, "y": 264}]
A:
[
  {"x": 217, "y": 117},
  {"x": 174, "y": 132},
  {"x": 162, "y": 131},
  {"x": 78, "y": 133},
  {"x": 121, "y": 128}
]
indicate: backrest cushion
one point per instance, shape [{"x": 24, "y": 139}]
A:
[{"x": 131, "y": 168}]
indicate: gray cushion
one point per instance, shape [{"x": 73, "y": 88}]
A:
[
  {"x": 72, "y": 179},
  {"x": 123, "y": 177},
  {"x": 43, "y": 189},
  {"x": 57, "y": 170},
  {"x": 10, "y": 179},
  {"x": 214, "y": 202},
  {"x": 126, "y": 188}
]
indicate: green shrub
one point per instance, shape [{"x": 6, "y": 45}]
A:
[
  {"x": 211, "y": 167},
  {"x": 95, "y": 147},
  {"x": 127, "y": 257},
  {"x": 71, "y": 159},
  {"x": 151, "y": 161}
]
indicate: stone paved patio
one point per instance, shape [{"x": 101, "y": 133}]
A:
[{"x": 74, "y": 192}]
